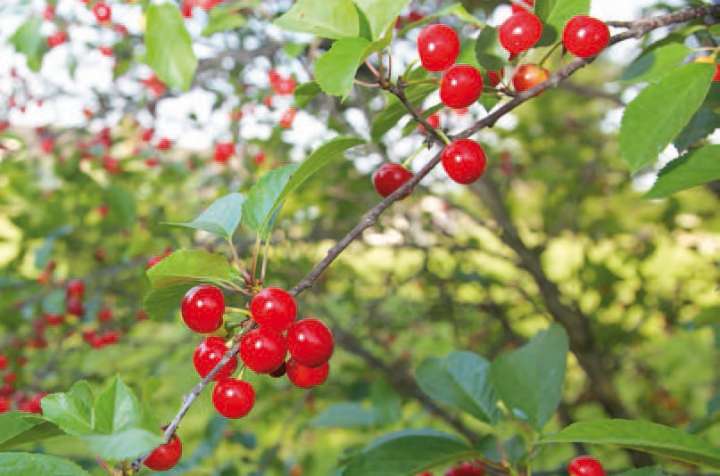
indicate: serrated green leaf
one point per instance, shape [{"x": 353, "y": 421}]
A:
[
  {"x": 641, "y": 436},
  {"x": 335, "y": 70},
  {"x": 169, "y": 46},
  {"x": 29, "y": 41},
  {"x": 29, "y": 464},
  {"x": 406, "y": 453},
  {"x": 223, "y": 18},
  {"x": 461, "y": 380},
  {"x": 18, "y": 428},
  {"x": 695, "y": 168},
  {"x": 661, "y": 110},
  {"x": 221, "y": 218},
  {"x": 337, "y": 19},
  {"x": 381, "y": 14},
  {"x": 190, "y": 266},
  {"x": 116, "y": 408},
  {"x": 530, "y": 379}
]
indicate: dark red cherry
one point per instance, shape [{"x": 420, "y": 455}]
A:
[
  {"x": 165, "y": 456},
  {"x": 306, "y": 377},
  {"x": 390, "y": 177}
]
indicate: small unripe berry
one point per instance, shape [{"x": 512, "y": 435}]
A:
[
  {"x": 274, "y": 308},
  {"x": 520, "y": 32},
  {"x": 585, "y": 36},
  {"x": 438, "y": 47},
  {"x": 202, "y": 309},
  {"x": 165, "y": 456},
  {"x": 528, "y": 76},
  {"x": 233, "y": 398},
  {"x": 464, "y": 161},
  {"x": 390, "y": 177},
  {"x": 461, "y": 85}
]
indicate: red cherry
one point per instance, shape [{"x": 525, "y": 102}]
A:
[
  {"x": 310, "y": 342},
  {"x": 716, "y": 76},
  {"x": 10, "y": 378},
  {"x": 105, "y": 315},
  {"x": 164, "y": 144},
  {"x": 57, "y": 39},
  {"x": 528, "y": 76},
  {"x": 49, "y": 12},
  {"x": 461, "y": 85},
  {"x": 3, "y": 362},
  {"x": 223, "y": 152},
  {"x": 4, "y": 405},
  {"x": 520, "y": 32},
  {"x": 32, "y": 404},
  {"x": 585, "y": 466},
  {"x": 464, "y": 161},
  {"x": 281, "y": 85},
  {"x": 438, "y": 46},
  {"x": 585, "y": 36},
  {"x": 208, "y": 354},
  {"x": 75, "y": 288},
  {"x": 306, "y": 377},
  {"x": 54, "y": 320},
  {"x": 274, "y": 308},
  {"x": 165, "y": 456},
  {"x": 102, "y": 12},
  {"x": 147, "y": 134},
  {"x": 390, "y": 177},
  {"x": 106, "y": 51},
  {"x": 494, "y": 77},
  {"x": 233, "y": 398},
  {"x": 202, "y": 309},
  {"x": 74, "y": 306},
  {"x": 263, "y": 350},
  {"x": 259, "y": 158},
  {"x": 516, "y": 7},
  {"x": 109, "y": 338},
  {"x": 474, "y": 468},
  {"x": 47, "y": 145},
  {"x": 186, "y": 8}
]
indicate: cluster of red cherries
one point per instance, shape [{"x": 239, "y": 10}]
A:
[
  {"x": 273, "y": 333},
  {"x": 438, "y": 45},
  {"x": 579, "y": 466}
]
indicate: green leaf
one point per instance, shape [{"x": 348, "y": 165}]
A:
[
  {"x": 28, "y": 40},
  {"x": 169, "y": 46},
  {"x": 697, "y": 167},
  {"x": 116, "y": 408},
  {"x": 488, "y": 52},
  {"x": 642, "y": 436},
  {"x": 381, "y": 14},
  {"x": 336, "y": 19},
  {"x": 335, "y": 70},
  {"x": 412, "y": 126},
  {"x": 305, "y": 93},
  {"x": 644, "y": 471},
  {"x": 121, "y": 206},
  {"x": 555, "y": 14},
  {"x": 462, "y": 380},
  {"x": 655, "y": 63},
  {"x": 223, "y": 18},
  {"x": 530, "y": 379},
  {"x": 162, "y": 303},
  {"x": 221, "y": 218},
  {"x": 658, "y": 114},
  {"x": 407, "y": 452},
  {"x": 345, "y": 415},
  {"x": 394, "y": 111},
  {"x": 18, "y": 428},
  {"x": 122, "y": 445},
  {"x": 703, "y": 123},
  {"x": 266, "y": 197},
  {"x": 29, "y": 464},
  {"x": 456, "y": 9},
  {"x": 71, "y": 411},
  {"x": 190, "y": 266}
]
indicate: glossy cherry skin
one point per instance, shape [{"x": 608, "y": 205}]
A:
[
  {"x": 390, "y": 177},
  {"x": 274, "y": 308},
  {"x": 464, "y": 161},
  {"x": 208, "y": 354},
  {"x": 165, "y": 456},
  {"x": 263, "y": 350},
  {"x": 520, "y": 32},
  {"x": 519, "y": 8},
  {"x": 102, "y": 12},
  {"x": 233, "y": 398},
  {"x": 202, "y": 309},
  {"x": 461, "y": 85},
  {"x": 585, "y": 466},
  {"x": 223, "y": 152},
  {"x": 306, "y": 377},
  {"x": 585, "y": 36},
  {"x": 529, "y": 75},
  {"x": 438, "y": 46},
  {"x": 310, "y": 342}
]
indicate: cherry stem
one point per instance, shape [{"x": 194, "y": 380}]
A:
[
  {"x": 550, "y": 52},
  {"x": 443, "y": 136},
  {"x": 409, "y": 160},
  {"x": 256, "y": 254},
  {"x": 238, "y": 310}
]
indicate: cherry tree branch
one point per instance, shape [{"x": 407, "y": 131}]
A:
[{"x": 635, "y": 29}]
